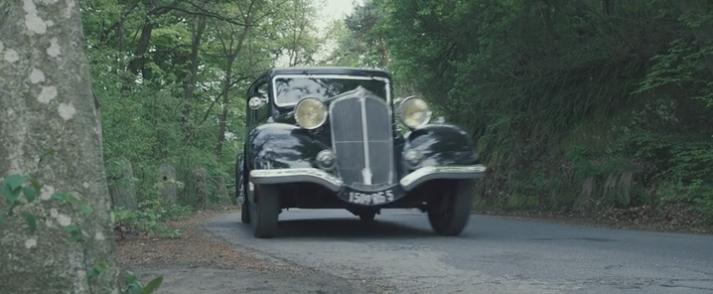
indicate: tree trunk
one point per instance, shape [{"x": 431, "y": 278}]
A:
[
  {"x": 608, "y": 7},
  {"x": 138, "y": 63},
  {"x": 231, "y": 55},
  {"x": 223, "y": 118},
  {"x": 189, "y": 84},
  {"x": 168, "y": 186},
  {"x": 49, "y": 131},
  {"x": 122, "y": 185}
]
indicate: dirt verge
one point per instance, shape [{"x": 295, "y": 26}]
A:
[{"x": 198, "y": 262}]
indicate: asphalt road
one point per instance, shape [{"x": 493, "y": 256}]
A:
[{"x": 400, "y": 254}]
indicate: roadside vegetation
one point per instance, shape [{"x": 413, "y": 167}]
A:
[
  {"x": 597, "y": 108},
  {"x": 170, "y": 78}
]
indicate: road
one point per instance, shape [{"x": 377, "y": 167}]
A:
[{"x": 400, "y": 254}]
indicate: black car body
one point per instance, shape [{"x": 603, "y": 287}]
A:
[{"x": 341, "y": 148}]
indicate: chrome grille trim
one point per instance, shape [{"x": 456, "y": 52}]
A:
[{"x": 364, "y": 143}]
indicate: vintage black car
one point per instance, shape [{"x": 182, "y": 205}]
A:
[{"x": 329, "y": 138}]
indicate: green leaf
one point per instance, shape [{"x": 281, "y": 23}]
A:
[
  {"x": 71, "y": 199},
  {"x": 130, "y": 277},
  {"x": 133, "y": 288},
  {"x": 59, "y": 197},
  {"x": 31, "y": 221},
  {"x": 97, "y": 270},
  {"x": 5, "y": 192},
  {"x": 14, "y": 182},
  {"x": 10, "y": 197},
  {"x": 30, "y": 193},
  {"x": 152, "y": 286},
  {"x": 86, "y": 209},
  {"x": 75, "y": 233},
  {"x": 36, "y": 185}
]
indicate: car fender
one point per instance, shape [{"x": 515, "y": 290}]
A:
[
  {"x": 281, "y": 146},
  {"x": 441, "y": 145}
]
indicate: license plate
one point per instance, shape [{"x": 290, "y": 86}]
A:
[{"x": 371, "y": 198}]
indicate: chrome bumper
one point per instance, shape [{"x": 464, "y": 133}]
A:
[
  {"x": 408, "y": 182},
  {"x": 296, "y": 175},
  {"x": 423, "y": 174}
]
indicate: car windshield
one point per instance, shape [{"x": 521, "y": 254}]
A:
[{"x": 290, "y": 90}]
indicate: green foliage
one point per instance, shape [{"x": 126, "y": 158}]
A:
[
  {"x": 12, "y": 189},
  {"x": 134, "y": 286},
  {"x": 151, "y": 219},
  {"x": 169, "y": 78},
  {"x": 20, "y": 192},
  {"x": 17, "y": 190},
  {"x": 573, "y": 104}
]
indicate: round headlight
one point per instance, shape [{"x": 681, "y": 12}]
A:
[
  {"x": 310, "y": 113},
  {"x": 414, "y": 112}
]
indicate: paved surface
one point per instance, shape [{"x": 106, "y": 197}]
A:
[
  {"x": 206, "y": 280},
  {"x": 399, "y": 253}
]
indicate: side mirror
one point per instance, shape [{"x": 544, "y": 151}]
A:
[{"x": 256, "y": 103}]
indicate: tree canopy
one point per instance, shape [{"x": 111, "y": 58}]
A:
[{"x": 576, "y": 105}]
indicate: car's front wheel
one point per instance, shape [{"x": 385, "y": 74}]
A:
[
  {"x": 245, "y": 211},
  {"x": 449, "y": 213},
  {"x": 241, "y": 196},
  {"x": 264, "y": 213}
]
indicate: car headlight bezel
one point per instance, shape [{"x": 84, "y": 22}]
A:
[
  {"x": 414, "y": 112},
  {"x": 310, "y": 113}
]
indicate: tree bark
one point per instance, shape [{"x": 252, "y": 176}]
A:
[
  {"x": 189, "y": 84},
  {"x": 50, "y": 131},
  {"x": 231, "y": 53},
  {"x": 223, "y": 118},
  {"x": 608, "y": 7},
  {"x": 138, "y": 63}
]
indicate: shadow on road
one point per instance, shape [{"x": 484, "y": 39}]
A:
[
  {"x": 335, "y": 228},
  {"x": 347, "y": 228}
]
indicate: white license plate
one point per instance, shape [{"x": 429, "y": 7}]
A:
[{"x": 374, "y": 198}]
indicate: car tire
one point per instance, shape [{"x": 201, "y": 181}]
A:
[
  {"x": 240, "y": 194},
  {"x": 449, "y": 213},
  {"x": 367, "y": 216},
  {"x": 264, "y": 213},
  {"x": 245, "y": 212}
]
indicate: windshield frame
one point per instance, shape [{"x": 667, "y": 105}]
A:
[{"x": 386, "y": 81}]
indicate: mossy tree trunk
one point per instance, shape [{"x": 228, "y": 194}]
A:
[
  {"x": 167, "y": 184},
  {"x": 200, "y": 188},
  {"x": 122, "y": 187},
  {"x": 49, "y": 130}
]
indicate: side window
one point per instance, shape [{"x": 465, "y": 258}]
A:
[{"x": 259, "y": 89}]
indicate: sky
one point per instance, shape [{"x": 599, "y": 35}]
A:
[
  {"x": 327, "y": 12},
  {"x": 330, "y": 10}
]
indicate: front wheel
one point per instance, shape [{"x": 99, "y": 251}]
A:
[
  {"x": 449, "y": 213},
  {"x": 245, "y": 212},
  {"x": 241, "y": 196},
  {"x": 264, "y": 213}
]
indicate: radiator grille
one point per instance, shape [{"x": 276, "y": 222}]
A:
[{"x": 362, "y": 139}]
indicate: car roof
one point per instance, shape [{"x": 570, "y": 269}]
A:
[{"x": 328, "y": 71}]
